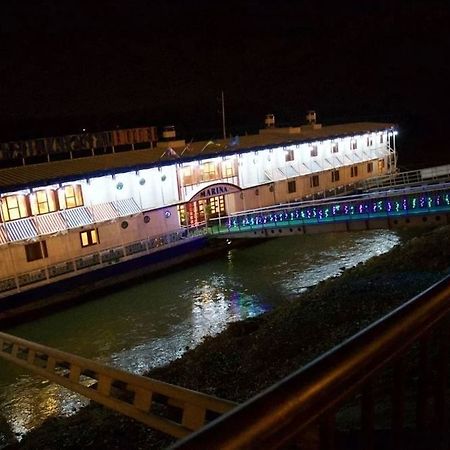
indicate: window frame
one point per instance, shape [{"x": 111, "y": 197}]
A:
[
  {"x": 36, "y": 251},
  {"x": 292, "y": 186},
  {"x": 43, "y": 206},
  {"x": 335, "y": 176},
  {"x": 20, "y": 210},
  {"x": 209, "y": 175},
  {"x": 77, "y": 196},
  {"x": 314, "y": 181},
  {"x": 92, "y": 237},
  {"x": 289, "y": 155}
]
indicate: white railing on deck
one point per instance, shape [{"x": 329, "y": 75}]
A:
[{"x": 103, "y": 258}]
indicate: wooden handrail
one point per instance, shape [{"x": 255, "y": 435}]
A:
[{"x": 129, "y": 394}]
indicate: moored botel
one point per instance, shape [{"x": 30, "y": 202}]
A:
[{"x": 68, "y": 223}]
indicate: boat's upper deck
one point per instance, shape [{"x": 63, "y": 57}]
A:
[{"x": 27, "y": 176}]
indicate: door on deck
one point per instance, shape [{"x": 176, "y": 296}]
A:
[{"x": 195, "y": 213}]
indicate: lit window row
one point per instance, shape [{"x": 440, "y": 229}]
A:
[
  {"x": 40, "y": 202},
  {"x": 334, "y": 148},
  {"x": 208, "y": 171}
]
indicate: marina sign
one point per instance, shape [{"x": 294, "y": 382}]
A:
[{"x": 214, "y": 190}]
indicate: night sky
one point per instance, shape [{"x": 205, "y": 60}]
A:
[{"x": 65, "y": 67}]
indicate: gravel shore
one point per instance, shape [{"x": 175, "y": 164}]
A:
[{"x": 253, "y": 354}]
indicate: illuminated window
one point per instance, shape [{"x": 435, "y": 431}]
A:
[
  {"x": 334, "y": 147},
  {"x": 369, "y": 167},
  {"x": 380, "y": 165},
  {"x": 314, "y": 181},
  {"x": 36, "y": 250},
  {"x": 228, "y": 169},
  {"x": 289, "y": 156},
  {"x": 334, "y": 175},
  {"x": 292, "y": 186},
  {"x": 216, "y": 206},
  {"x": 89, "y": 237},
  {"x": 182, "y": 214},
  {"x": 70, "y": 196},
  {"x": 314, "y": 150},
  {"x": 209, "y": 171},
  {"x": 187, "y": 175},
  {"x": 354, "y": 171},
  {"x": 42, "y": 202},
  {"x": 14, "y": 207}
]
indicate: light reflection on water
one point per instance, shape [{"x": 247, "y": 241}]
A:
[{"x": 152, "y": 323}]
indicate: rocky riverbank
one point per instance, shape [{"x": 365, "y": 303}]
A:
[{"x": 251, "y": 355}]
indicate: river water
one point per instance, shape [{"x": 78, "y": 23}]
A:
[{"x": 154, "y": 322}]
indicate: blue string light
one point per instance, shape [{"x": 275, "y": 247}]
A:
[{"x": 379, "y": 207}]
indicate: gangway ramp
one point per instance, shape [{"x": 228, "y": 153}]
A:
[
  {"x": 171, "y": 409},
  {"x": 395, "y": 208}
]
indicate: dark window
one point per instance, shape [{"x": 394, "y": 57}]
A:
[
  {"x": 354, "y": 171},
  {"x": 36, "y": 250},
  {"x": 292, "y": 186},
  {"x": 334, "y": 175},
  {"x": 334, "y": 147},
  {"x": 314, "y": 181},
  {"x": 370, "y": 167},
  {"x": 289, "y": 156},
  {"x": 314, "y": 150}
]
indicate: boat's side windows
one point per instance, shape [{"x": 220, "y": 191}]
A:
[
  {"x": 89, "y": 237},
  {"x": 292, "y": 186},
  {"x": 15, "y": 207},
  {"x": 36, "y": 250},
  {"x": 70, "y": 196},
  {"x": 289, "y": 155}
]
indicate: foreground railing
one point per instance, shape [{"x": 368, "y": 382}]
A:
[
  {"x": 162, "y": 406},
  {"x": 399, "y": 363}
]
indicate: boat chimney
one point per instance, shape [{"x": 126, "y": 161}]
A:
[
  {"x": 269, "y": 121},
  {"x": 311, "y": 117}
]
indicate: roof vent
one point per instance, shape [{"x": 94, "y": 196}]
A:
[{"x": 169, "y": 132}]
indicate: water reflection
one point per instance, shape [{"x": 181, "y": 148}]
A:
[
  {"x": 152, "y": 323},
  {"x": 217, "y": 303},
  {"x": 29, "y": 398}
]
